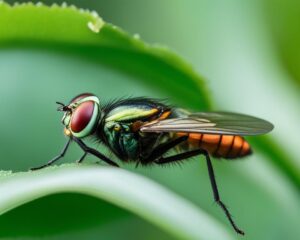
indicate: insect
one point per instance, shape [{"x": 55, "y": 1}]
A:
[{"x": 143, "y": 130}]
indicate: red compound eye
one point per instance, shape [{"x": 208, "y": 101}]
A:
[{"x": 82, "y": 116}]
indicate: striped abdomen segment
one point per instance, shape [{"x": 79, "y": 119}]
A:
[{"x": 223, "y": 146}]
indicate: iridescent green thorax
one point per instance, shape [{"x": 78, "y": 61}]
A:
[
  {"x": 120, "y": 138},
  {"x": 120, "y": 126}
]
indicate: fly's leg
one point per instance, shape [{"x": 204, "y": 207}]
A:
[
  {"x": 94, "y": 152},
  {"x": 63, "y": 152},
  {"x": 165, "y": 147},
  {"x": 185, "y": 155},
  {"x": 217, "y": 196},
  {"x": 179, "y": 156},
  {"x": 80, "y": 160}
]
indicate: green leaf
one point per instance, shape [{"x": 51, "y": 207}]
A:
[
  {"x": 83, "y": 33},
  {"x": 283, "y": 20},
  {"x": 122, "y": 188}
]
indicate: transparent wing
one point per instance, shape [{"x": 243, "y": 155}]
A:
[{"x": 224, "y": 123}]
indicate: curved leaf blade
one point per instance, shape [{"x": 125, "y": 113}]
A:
[
  {"x": 83, "y": 33},
  {"x": 122, "y": 188}
]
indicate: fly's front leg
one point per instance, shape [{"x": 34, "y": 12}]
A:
[
  {"x": 80, "y": 160},
  {"x": 94, "y": 152},
  {"x": 63, "y": 152}
]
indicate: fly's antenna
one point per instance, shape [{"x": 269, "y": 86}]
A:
[{"x": 62, "y": 107}]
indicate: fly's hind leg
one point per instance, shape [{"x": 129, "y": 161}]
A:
[
  {"x": 165, "y": 147},
  {"x": 185, "y": 155},
  {"x": 217, "y": 196}
]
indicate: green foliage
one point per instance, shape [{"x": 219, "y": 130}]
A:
[
  {"x": 283, "y": 19},
  {"x": 118, "y": 187},
  {"x": 80, "y": 32},
  {"x": 53, "y": 53}
]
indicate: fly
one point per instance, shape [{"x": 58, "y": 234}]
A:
[{"x": 143, "y": 130}]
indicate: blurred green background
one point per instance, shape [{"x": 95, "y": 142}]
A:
[{"x": 248, "y": 52}]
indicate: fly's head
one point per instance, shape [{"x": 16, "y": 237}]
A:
[{"x": 81, "y": 115}]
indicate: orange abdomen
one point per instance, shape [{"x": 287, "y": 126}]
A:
[{"x": 223, "y": 146}]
